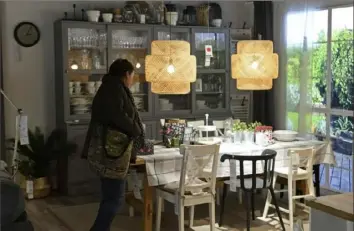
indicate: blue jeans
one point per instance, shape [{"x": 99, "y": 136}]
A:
[{"x": 112, "y": 193}]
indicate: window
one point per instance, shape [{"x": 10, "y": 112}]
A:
[{"x": 326, "y": 58}]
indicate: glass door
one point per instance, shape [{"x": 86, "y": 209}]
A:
[
  {"x": 211, "y": 89},
  {"x": 217, "y": 38},
  {"x": 133, "y": 43},
  {"x": 85, "y": 60},
  {"x": 165, "y": 104}
]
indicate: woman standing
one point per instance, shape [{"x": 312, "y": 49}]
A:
[{"x": 115, "y": 132}]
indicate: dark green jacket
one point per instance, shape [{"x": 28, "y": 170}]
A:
[{"x": 113, "y": 107}]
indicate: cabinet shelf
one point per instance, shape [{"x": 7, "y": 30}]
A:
[{"x": 88, "y": 72}]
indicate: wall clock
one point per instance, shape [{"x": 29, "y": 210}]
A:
[{"x": 27, "y": 34}]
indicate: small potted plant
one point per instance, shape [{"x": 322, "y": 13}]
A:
[
  {"x": 237, "y": 130},
  {"x": 36, "y": 158}
]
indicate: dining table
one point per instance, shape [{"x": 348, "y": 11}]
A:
[{"x": 164, "y": 166}]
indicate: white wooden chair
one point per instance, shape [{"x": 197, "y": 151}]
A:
[
  {"x": 195, "y": 123},
  {"x": 300, "y": 167},
  {"x": 196, "y": 185},
  {"x": 220, "y": 126}
]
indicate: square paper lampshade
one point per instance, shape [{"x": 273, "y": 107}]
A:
[
  {"x": 255, "y": 65},
  {"x": 170, "y": 68}
]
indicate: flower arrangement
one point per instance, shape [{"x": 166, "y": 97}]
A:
[
  {"x": 263, "y": 128},
  {"x": 173, "y": 134},
  {"x": 239, "y": 126},
  {"x": 253, "y": 126}
]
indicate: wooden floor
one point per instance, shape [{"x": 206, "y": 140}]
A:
[
  {"x": 78, "y": 213},
  {"x": 341, "y": 176}
]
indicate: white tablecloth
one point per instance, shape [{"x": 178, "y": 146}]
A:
[{"x": 165, "y": 164}]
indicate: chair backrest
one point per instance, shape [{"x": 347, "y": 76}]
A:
[
  {"x": 195, "y": 124},
  {"x": 199, "y": 169},
  {"x": 220, "y": 126},
  {"x": 301, "y": 158},
  {"x": 266, "y": 159}
]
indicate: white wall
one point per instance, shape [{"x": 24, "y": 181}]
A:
[{"x": 29, "y": 72}]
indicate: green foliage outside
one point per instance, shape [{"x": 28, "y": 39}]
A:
[{"x": 342, "y": 67}]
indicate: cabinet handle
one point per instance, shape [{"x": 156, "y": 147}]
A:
[{"x": 72, "y": 121}]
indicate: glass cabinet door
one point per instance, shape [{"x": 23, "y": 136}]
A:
[
  {"x": 217, "y": 39},
  {"x": 132, "y": 43},
  {"x": 210, "y": 92},
  {"x": 86, "y": 59},
  {"x": 172, "y": 103}
]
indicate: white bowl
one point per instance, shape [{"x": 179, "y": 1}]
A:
[
  {"x": 107, "y": 17},
  {"x": 285, "y": 135},
  {"x": 216, "y": 22}
]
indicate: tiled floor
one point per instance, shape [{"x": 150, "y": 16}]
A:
[
  {"x": 77, "y": 214},
  {"x": 340, "y": 176}
]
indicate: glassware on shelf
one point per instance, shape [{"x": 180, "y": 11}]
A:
[
  {"x": 86, "y": 38},
  {"x": 85, "y": 59}
]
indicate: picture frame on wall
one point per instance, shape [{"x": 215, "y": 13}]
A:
[{"x": 199, "y": 85}]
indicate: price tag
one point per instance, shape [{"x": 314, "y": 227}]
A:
[
  {"x": 208, "y": 54},
  {"x": 233, "y": 176},
  {"x": 23, "y": 127},
  {"x": 29, "y": 189}
]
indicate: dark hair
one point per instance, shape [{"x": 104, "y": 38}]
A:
[{"x": 120, "y": 67}]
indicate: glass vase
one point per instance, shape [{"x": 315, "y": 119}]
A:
[
  {"x": 248, "y": 136},
  {"x": 237, "y": 137}
]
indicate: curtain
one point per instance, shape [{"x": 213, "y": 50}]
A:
[{"x": 263, "y": 101}]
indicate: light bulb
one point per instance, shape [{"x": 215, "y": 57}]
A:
[
  {"x": 171, "y": 69},
  {"x": 254, "y": 65},
  {"x": 138, "y": 65},
  {"x": 74, "y": 66}
]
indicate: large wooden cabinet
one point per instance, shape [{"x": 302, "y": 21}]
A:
[{"x": 84, "y": 52}]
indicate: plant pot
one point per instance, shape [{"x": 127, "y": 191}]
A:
[
  {"x": 248, "y": 136},
  {"x": 237, "y": 137},
  {"x": 41, "y": 187}
]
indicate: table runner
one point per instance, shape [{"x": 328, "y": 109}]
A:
[{"x": 165, "y": 164}]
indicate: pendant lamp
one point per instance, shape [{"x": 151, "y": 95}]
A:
[
  {"x": 255, "y": 65},
  {"x": 170, "y": 68}
]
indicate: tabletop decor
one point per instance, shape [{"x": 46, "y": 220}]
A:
[
  {"x": 264, "y": 135},
  {"x": 249, "y": 132},
  {"x": 173, "y": 132},
  {"x": 237, "y": 130}
]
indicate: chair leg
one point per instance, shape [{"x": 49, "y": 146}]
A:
[
  {"x": 222, "y": 206},
  {"x": 158, "y": 212},
  {"x": 282, "y": 188},
  {"x": 294, "y": 194},
  {"x": 252, "y": 204},
  {"x": 271, "y": 190},
  {"x": 269, "y": 199},
  {"x": 212, "y": 215},
  {"x": 191, "y": 216},
  {"x": 291, "y": 204},
  {"x": 217, "y": 195},
  {"x": 240, "y": 196},
  {"x": 316, "y": 169},
  {"x": 247, "y": 204},
  {"x": 180, "y": 216},
  {"x": 131, "y": 211}
]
